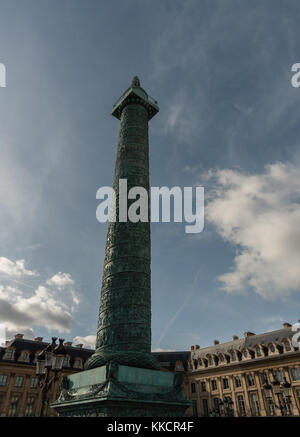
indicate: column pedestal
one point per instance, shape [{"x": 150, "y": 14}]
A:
[{"x": 121, "y": 391}]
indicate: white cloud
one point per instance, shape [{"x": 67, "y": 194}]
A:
[
  {"x": 61, "y": 280},
  {"x": 159, "y": 349},
  {"x": 260, "y": 215},
  {"x": 88, "y": 341},
  {"x": 50, "y": 305},
  {"x": 15, "y": 269}
]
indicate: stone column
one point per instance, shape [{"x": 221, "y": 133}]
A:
[{"x": 124, "y": 324}]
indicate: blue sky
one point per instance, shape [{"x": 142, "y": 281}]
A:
[{"x": 228, "y": 120}]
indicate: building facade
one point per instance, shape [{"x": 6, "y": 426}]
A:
[
  {"x": 20, "y": 392},
  {"x": 257, "y": 375}
]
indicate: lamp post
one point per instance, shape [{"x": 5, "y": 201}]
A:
[
  {"x": 286, "y": 391},
  {"x": 277, "y": 392},
  {"x": 283, "y": 393},
  {"x": 51, "y": 358},
  {"x": 225, "y": 408},
  {"x": 228, "y": 403}
]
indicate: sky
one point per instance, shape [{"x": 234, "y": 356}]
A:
[{"x": 228, "y": 121}]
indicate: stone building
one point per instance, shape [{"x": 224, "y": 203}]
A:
[
  {"x": 20, "y": 394},
  {"x": 241, "y": 372},
  {"x": 257, "y": 375}
]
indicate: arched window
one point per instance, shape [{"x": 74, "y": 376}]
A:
[
  {"x": 287, "y": 346},
  {"x": 246, "y": 354},
  {"x": 233, "y": 356},
  {"x": 24, "y": 356},
  {"x": 77, "y": 363},
  {"x": 66, "y": 361},
  {"x": 272, "y": 348},
  {"x": 258, "y": 351},
  {"x": 210, "y": 360}
]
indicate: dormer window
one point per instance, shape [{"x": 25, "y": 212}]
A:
[
  {"x": 24, "y": 356},
  {"x": 8, "y": 354},
  {"x": 66, "y": 361},
  {"x": 77, "y": 363},
  {"x": 287, "y": 346},
  {"x": 246, "y": 354},
  {"x": 272, "y": 348},
  {"x": 233, "y": 356},
  {"x": 258, "y": 352},
  {"x": 210, "y": 360}
]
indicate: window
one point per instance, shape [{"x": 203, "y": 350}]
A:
[
  {"x": 214, "y": 384},
  {"x": 295, "y": 374},
  {"x": 203, "y": 386},
  {"x": 205, "y": 407},
  {"x": 19, "y": 381},
  {"x": 255, "y": 405},
  {"x": 279, "y": 375},
  {"x": 246, "y": 354},
  {"x": 241, "y": 405},
  {"x": 195, "y": 412},
  {"x": 179, "y": 365},
  {"x": 77, "y": 364},
  {"x": 258, "y": 352},
  {"x": 272, "y": 348},
  {"x": 221, "y": 358},
  {"x": 66, "y": 362},
  {"x": 264, "y": 378},
  {"x": 287, "y": 346},
  {"x": 233, "y": 356},
  {"x": 193, "y": 387},
  {"x": 24, "y": 356},
  {"x": 237, "y": 381},
  {"x": 210, "y": 360},
  {"x": 13, "y": 406},
  {"x": 217, "y": 403},
  {"x": 29, "y": 406},
  {"x": 34, "y": 382},
  {"x": 225, "y": 383},
  {"x": 8, "y": 354},
  {"x": 3, "y": 379},
  {"x": 251, "y": 380}
]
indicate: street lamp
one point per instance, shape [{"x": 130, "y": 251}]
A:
[
  {"x": 287, "y": 395},
  {"x": 51, "y": 358},
  {"x": 277, "y": 392},
  {"x": 268, "y": 393},
  {"x": 228, "y": 403}
]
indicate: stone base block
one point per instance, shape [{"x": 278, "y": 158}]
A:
[{"x": 121, "y": 391}]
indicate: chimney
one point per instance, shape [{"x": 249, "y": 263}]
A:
[
  {"x": 216, "y": 342},
  {"x": 38, "y": 339},
  {"x": 235, "y": 337},
  {"x": 68, "y": 343},
  {"x": 248, "y": 334},
  {"x": 192, "y": 348},
  {"x": 79, "y": 346},
  {"x": 19, "y": 335},
  {"x": 287, "y": 325}
]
